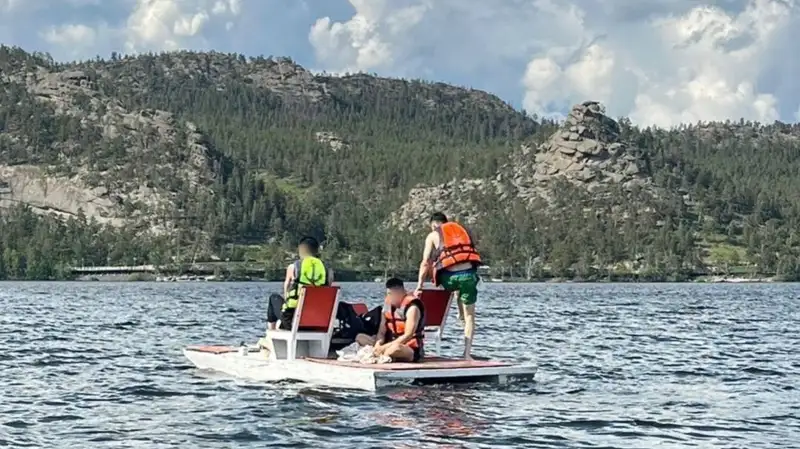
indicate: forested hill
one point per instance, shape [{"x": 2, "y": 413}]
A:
[{"x": 186, "y": 156}]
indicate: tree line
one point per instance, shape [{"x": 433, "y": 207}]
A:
[{"x": 270, "y": 181}]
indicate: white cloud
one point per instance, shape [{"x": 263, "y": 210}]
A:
[
  {"x": 77, "y": 41},
  {"x": 717, "y": 58},
  {"x": 168, "y": 24},
  {"x": 69, "y": 35},
  {"x": 84, "y": 28},
  {"x": 369, "y": 40},
  {"x": 660, "y": 62}
]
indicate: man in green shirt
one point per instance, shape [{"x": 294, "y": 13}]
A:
[{"x": 307, "y": 270}]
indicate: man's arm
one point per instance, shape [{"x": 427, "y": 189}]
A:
[
  {"x": 287, "y": 281},
  {"x": 381, "y": 331},
  {"x": 425, "y": 265},
  {"x": 412, "y": 317}
]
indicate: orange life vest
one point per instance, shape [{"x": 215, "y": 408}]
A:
[
  {"x": 396, "y": 321},
  {"x": 455, "y": 247}
]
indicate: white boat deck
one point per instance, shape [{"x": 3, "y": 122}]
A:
[
  {"x": 300, "y": 353},
  {"x": 370, "y": 377}
]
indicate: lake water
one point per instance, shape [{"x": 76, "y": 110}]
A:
[{"x": 90, "y": 365}]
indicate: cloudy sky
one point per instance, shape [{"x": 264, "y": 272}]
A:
[{"x": 660, "y": 62}]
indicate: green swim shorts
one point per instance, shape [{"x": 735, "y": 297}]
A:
[{"x": 464, "y": 282}]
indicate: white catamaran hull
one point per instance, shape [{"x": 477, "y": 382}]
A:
[{"x": 332, "y": 373}]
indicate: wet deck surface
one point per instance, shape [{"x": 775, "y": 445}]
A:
[
  {"x": 212, "y": 349},
  {"x": 426, "y": 364}
]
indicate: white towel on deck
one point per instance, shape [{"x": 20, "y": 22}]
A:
[{"x": 355, "y": 353}]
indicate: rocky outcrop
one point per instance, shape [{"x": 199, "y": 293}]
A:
[
  {"x": 458, "y": 197},
  {"x": 332, "y": 140},
  {"x": 116, "y": 193},
  {"x": 280, "y": 75},
  {"x": 586, "y": 152},
  {"x": 45, "y": 193},
  {"x": 427, "y": 95},
  {"x": 285, "y": 77}
]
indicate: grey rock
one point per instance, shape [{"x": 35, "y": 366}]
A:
[
  {"x": 332, "y": 140},
  {"x": 564, "y": 164},
  {"x": 589, "y": 147},
  {"x": 615, "y": 148},
  {"x": 632, "y": 169},
  {"x": 559, "y": 144},
  {"x": 567, "y": 150},
  {"x": 73, "y": 75},
  {"x": 585, "y": 151},
  {"x": 586, "y": 174}
]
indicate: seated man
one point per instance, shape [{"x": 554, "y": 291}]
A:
[
  {"x": 401, "y": 333},
  {"x": 307, "y": 270}
]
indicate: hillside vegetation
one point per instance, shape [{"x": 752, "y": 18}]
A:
[{"x": 208, "y": 156}]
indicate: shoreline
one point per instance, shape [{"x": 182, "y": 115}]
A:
[{"x": 619, "y": 280}]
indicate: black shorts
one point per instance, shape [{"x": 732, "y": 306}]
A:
[{"x": 275, "y": 312}]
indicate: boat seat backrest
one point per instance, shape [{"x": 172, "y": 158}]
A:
[
  {"x": 436, "y": 303},
  {"x": 360, "y": 308},
  {"x": 318, "y": 306}
]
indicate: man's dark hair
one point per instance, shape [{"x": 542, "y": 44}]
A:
[
  {"x": 438, "y": 217},
  {"x": 393, "y": 283},
  {"x": 311, "y": 243}
]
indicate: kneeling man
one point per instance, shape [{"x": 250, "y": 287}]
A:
[{"x": 401, "y": 333}]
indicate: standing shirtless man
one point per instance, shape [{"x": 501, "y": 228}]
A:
[{"x": 450, "y": 256}]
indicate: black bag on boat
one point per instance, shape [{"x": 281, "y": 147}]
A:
[
  {"x": 371, "y": 321},
  {"x": 350, "y": 324}
]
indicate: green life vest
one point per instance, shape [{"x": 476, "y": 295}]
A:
[{"x": 309, "y": 271}]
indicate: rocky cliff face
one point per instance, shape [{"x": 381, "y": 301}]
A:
[
  {"x": 586, "y": 152},
  {"x": 97, "y": 167},
  {"x": 63, "y": 196}
]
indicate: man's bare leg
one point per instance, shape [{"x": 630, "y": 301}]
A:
[
  {"x": 365, "y": 340},
  {"x": 469, "y": 328},
  {"x": 402, "y": 354},
  {"x": 459, "y": 306}
]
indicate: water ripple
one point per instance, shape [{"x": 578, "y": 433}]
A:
[{"x": 620, "y": 366}]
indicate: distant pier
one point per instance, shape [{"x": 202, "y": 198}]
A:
[
  {"x": 115, "y": 269},
  {"x": 249, "y": 269},
  {"x": 196, "y": 268}
]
